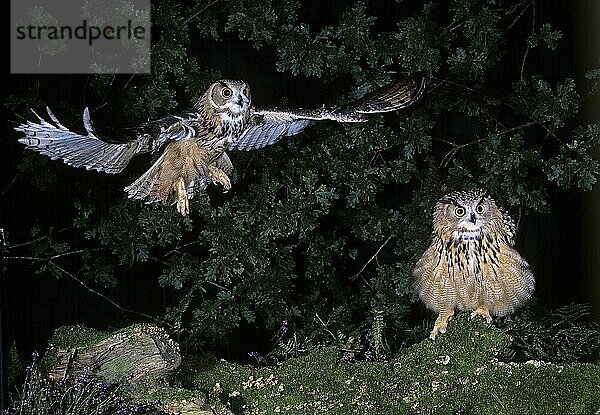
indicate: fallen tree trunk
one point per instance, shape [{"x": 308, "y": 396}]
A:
[
  {"x": 135, "y": 359},
  {"x": 136, "y": 353}
]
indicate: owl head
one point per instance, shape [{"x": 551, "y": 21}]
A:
[
  {"x": 466, "y": 215},
  {"x": 229, "y": 96}
]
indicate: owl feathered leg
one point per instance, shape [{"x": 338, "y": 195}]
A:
[
  {"x": 216, "y": 172},
  {"x": 441, "y": 322},
  {"x": 182, "y": 167},
  {"x": 183, "y": 202}
]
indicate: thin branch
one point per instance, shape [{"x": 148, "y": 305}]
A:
[
  {"x": 103, "y": 102},
  {"x": 41, "y": 238},
  {"x": 514, "y": 8},
  {"x": 176, "y": 249},
  {"x": 446, "y": 81},
  {"x": 455, "y": 149},
  {"x": 123, "y": 310},
  {"x": 128, "y": 81},
  {"x": 355, "y": 276},
  {"x": 52, "y": 257},
  {"x": 527, "y": 48},
  {"x": 451, "y": 28},
  {"x": 14, "y": 179},
  {"x": 325, "y": 326},
  {"x": 518, "y": 127},
  {"x": 199, "y": 12}
]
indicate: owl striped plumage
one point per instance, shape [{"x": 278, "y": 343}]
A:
[{"x": 471, "y": 263}]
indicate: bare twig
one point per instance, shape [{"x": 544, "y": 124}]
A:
[
  {"x": 325, "y": 326},
  {"x": 103, "y": 102},
  {"x": 123, "y": 310},
  {"x": 14, "y": 179},
  {"x": 199, "y": 12},
  {"x": 41, "y": 238},
  {"x": 355, "y": 276},
  {"x": 451, "y": 28},
  {"x": 455, "y": 149},
  {"x": 527, "y": 48},
  {"x": 518, "y": 127},
  {"x": 447, "y": 81},
  {"x": 177, "y": 248},
  {"x": 52, "y": 257},
  {"x": 514, "y": 8}
]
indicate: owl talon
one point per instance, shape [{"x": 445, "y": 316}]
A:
[
  {"x": 441, "y": 323},
  {"x": 435, "y": 331},
  {"x": 483, "y": 312},
  {"x": 219, "y": 176}
]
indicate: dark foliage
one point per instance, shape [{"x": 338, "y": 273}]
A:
[
  {"x": 566, "y": 334},
  {"x": 322, "y": 230}
]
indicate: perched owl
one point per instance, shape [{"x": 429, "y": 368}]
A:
[
  {"x": 192, "y": 145},
  {"x": 471, "y": 263}
]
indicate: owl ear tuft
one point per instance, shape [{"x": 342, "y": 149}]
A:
[{"x": 447, "y": 200}]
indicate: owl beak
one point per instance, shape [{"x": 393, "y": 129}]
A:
[
  {"x": 241, "y": 100},
  {"x": 472, "y": 218}
]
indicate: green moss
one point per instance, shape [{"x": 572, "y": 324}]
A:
[
  {"x": 458, "y": 372},
  {"x": 69, "y": 337},
  {"x": 158, "y": 390}
]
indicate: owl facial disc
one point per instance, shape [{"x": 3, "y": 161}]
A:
[{"x": 230, "y": 96}]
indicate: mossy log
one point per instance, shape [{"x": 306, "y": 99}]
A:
[
  {"x": 136, "y": 353},
  {"x": 137, "y": 358}
]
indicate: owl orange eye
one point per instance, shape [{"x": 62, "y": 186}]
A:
[
  {"x": 226, "y": 92},
  {"x": 480, "y": 209},
  {"x": 459, "y": 212}
]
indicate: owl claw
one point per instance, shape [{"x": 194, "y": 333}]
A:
[
  {"x": 483, "y": 312},
  {"x": 435, "y": 331},
  {"x": 441, "y": 323},
  {"x": 219, "y": 176}
]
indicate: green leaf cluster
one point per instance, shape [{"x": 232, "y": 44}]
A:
[{"x": 322, "y": 230}]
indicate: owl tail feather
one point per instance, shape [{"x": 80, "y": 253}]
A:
[
  {"x": 58, "y": 142},
  {"x": 149, "y": 186}
]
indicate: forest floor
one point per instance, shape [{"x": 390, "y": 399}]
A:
[{"x": 459, "y": 372}]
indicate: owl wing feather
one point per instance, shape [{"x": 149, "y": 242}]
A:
[
  {"x": 267, "y": 126},
  {"x": 510, "y": 228},
  {"x": 392, "y": 97},
  {"x": 89, "y": 151}
]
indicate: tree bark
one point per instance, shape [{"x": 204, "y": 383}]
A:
[{"x": 135, "y": 353}]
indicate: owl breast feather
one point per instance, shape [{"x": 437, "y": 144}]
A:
[{"x": 232, "y": 125}]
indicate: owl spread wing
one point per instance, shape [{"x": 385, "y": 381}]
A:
[
  {"x": 89, "y": 151},
  {"x": 267, "y": 126}
]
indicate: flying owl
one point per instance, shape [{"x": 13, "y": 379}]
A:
[
  {"x": 191, "y": 147},
  {"x": 471, "y": 263}
]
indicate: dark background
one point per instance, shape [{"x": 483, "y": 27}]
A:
[{"x": 563, "y": 247}]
